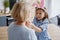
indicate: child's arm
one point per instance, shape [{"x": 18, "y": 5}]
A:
[
  {"x": 37, "y": 29},
  {"x": 31, "y": 25},
  {"x": 43, "y": 27}
]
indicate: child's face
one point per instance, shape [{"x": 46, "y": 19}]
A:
[{"x": 40, "y": 14}]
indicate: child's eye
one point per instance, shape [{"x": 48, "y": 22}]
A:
[{"x": 39, "y": 13}]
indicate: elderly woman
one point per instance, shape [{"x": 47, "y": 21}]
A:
[{"x": 18, "y": 30}]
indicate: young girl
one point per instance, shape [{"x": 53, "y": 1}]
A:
[
  {"x": 17, "y": 30},
  {"x": 40, "y": 24}
]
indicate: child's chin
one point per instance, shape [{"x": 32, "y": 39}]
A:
[{"x": 39, "y": 18}]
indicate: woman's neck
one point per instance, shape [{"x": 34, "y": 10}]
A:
[{"x": 19, "y": 23}]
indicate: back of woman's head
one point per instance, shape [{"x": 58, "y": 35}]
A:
[{"x": 19, "y": 12}]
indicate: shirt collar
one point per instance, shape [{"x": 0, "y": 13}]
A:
[{"x": 37, "y": 19}]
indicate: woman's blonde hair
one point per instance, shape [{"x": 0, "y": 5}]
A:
[{"x": 19, "y": 12}]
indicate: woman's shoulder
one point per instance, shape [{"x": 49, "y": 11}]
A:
[
  {"x": 32, "y": 34},
  {"x": 11, "y": 25},
  {"x": 30, "y": 30}
]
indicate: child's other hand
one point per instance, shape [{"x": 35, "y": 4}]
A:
[{"x": 28, "y": 24}]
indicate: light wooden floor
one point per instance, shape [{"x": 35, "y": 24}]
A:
[
  {"x": 52, "y": 29},
  {"x": 3, "y": 33}
]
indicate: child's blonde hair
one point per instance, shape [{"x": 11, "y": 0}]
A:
[{"x": 19, "y": 12}]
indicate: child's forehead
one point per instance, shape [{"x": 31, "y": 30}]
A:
[{"x": 40, "y": 10}]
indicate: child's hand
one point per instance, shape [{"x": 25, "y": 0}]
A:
[{"x": 28, "y": 24}]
